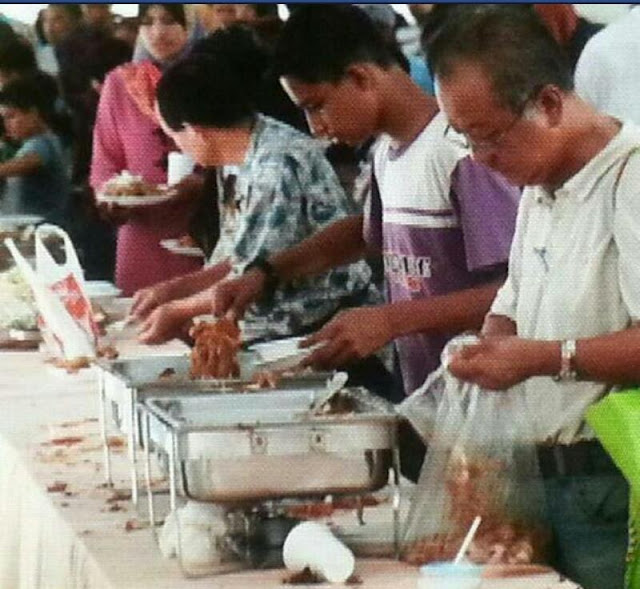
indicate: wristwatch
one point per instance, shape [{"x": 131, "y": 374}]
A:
[
  {"x": 271, "y": 279},
  {"x": 568, "y": 371}
]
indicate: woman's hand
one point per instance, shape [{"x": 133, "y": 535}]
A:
[
  {"x": 231, "y": 298},
  {"x": 146, "y": 300},
  {"x": 165, "y": 323},
  {"x": 113, "y": 213}
]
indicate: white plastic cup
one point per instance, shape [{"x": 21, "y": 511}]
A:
[
  {"x": 180, "y": 166},
  {"x": 447, "y": 575},
  {"x": 312, "y": 545}
]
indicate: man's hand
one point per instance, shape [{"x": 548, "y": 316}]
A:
[
  {"x": 148, "y": 299},
  {"x": 351, "y": 335},
  {"x": 498, "y": 363},
  {"x": 163, "y": 324},
  {"x": 231, "y": 298}
]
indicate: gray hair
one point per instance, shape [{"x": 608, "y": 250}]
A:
[{"x": 510, "y": 42}]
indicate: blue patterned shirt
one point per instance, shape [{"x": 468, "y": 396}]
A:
[{"x": 286, "y": 191}]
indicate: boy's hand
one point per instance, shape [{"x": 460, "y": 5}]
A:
[{"x": 351, "y": 335}]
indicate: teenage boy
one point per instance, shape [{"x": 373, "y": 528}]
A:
[
  {"x": 442, "y": 222},
  {"x": 571, "y": 303}
]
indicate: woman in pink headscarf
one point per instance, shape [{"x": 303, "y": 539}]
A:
[{"x": 127, "y": 136}]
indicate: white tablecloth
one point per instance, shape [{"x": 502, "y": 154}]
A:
[{"x": 71, "y": 539}]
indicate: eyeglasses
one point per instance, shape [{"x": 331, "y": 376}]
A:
[{"x": 495, "y": 139}]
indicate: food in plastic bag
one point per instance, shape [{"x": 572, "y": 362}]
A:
[{"x": 481, "y": 460}]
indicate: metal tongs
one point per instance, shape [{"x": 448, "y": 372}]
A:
[{"x": 334, "y": 385}]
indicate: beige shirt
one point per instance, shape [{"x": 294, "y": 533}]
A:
[{"x": 574, "y": 272}]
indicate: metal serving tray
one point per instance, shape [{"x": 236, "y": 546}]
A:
[
  {"x": 123, "y": 383},
  {"x": 234, "y": 448}
]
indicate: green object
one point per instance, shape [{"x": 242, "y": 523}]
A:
[
  {"x": 616, "y": 422},
  {"x": 632, "y": 576}
]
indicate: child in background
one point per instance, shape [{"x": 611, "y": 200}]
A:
[{"x": 36, "y": 176}]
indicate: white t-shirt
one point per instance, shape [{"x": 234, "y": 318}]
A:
[
  {"x": 446, "y": 221},
  {"x": 574, "y": 273},
  {"x": 608, "y": 71}
]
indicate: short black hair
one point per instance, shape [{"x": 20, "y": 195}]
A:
[
  {"x": 513, "y": 45},
  {"x": 27, "y": 93},
  {"x": 218, "y": 84},
  {"x": 175, "y": 10},
  {"x": 320, "y": 42},
  {"x": 17, "y": 56}
]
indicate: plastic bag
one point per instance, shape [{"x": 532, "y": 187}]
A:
[
  {"x": 197, "y": 533},
  {"x": 481, "y": 460},
  {"x": 66, "y": 319},
  {"x": 616, "y": 422},
  {"x": 421, "y": 407}
]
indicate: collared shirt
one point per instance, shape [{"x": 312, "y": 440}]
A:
[
  {"x": 574, "y": 273},
  {"x": 445, "y": 223},
  {"x": 608, "y": 71},
  {"x": 286, "y": 191}
]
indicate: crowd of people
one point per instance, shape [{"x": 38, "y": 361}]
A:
[{"x": 498, "y": 165}]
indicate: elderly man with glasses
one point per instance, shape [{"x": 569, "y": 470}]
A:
[{"x": 565, "y": 324}]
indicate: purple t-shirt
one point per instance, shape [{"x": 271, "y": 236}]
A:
[{"x": 442, "y": 221}]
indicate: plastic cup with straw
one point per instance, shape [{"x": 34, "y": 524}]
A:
[{"x": 456, "y": 574}]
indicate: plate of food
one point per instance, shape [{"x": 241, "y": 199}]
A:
[
  {"x": 183, "y": 246},
  {"x": 128, "y": 190}
]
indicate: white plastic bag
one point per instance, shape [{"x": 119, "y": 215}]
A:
[
  {"x": 66, "y": 319},
  {"x": 481, "y": 460},
  {"x": 197, "y": 534}
]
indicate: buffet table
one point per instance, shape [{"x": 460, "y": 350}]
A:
[{"x": 61, "y": 528}]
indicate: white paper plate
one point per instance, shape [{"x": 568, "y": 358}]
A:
[
  {"x": 136, "y": 201},
  {"x": 173, "y": 245},
  {"x": 280, "y": 354}
]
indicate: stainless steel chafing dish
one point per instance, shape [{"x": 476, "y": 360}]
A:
[
  {"x": 249, "y": 452},
  {"x": 124, "y": 383},
  {"x": 232, "y": 448}
]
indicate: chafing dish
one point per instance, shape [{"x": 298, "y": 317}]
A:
[
  {"x": 123, "y": 383},
  {"x": 231, "y": 448},
  {"x": 249, "y": 453}
]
